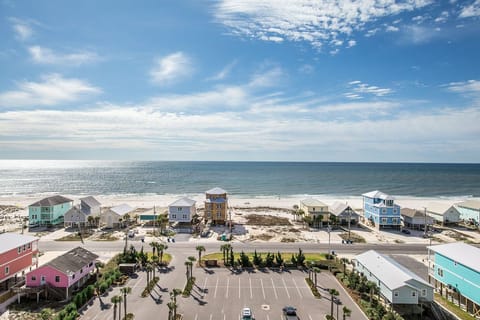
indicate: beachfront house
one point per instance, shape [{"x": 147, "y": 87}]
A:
[
  {"x": 216, "y": 206},
  {"x": 182, "y": 210},
  {"x": 380, "y": 210},
  {"x": 343, "y": 213},
  {"x": 49, "y": 211},
  {"x": 443, "y": 213},
  {"x": 316, "y": 210},
  {"x": 18, "y": 253},
  {"x": 78, "y": 215},
  {"x": 116, "y": 216},
  {"x": 415, "y": 219},
  {"x": 397, "y": 285},
  {"x": 454, "y": 269},
  {"x": 64, "y": 274},
  {"x": 469, "y": 211}
]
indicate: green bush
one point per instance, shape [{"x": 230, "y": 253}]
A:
[
  {"x": 188, "y": 287},
  {"x": 313, "y": 288}
]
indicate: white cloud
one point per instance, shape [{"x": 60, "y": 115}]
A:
[
  {"x": 316, "y": 22},
  {"x": 267, "y": 78},
  {"x": 443, "y": 17},
  {"x": 418, "y": 34},
  {"x": 360, "y": 88},
  {"x": 44, "y": 55},
  {"x": 351, "y": 43},
  {"x": 391, "y": 29},
  {"x": 306, "y": 69},
  {"x": 53, "y": 90},
  {"x": 224, "y": 72},
  {"x": 171, "y": 68},
  {"x": 22, "y": 28},
  {"x": 472, "y": 10},
  {"x": 465, "y": 86}
]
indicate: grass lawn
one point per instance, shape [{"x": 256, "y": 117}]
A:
[
  {"x": 285, "y": 255},
  {"x": 166, "y": 258},
  {"x": 453, "y": 308}
]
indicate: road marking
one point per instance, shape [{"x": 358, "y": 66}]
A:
[
  {"x": 204, "y": 285},
  {"x": 263, "y": 289},
  {"x": 285, "y": 285},
  {"x": 298, "y": 290},
  {"x": 211, "y": 316},
  {"x": 310, "y": 317},
  {"x": 196, "y": 316},
  {"x": 216, "y": 286},
  {"x": 268, "y": 318},
  {"x": 239, "y": 288},
  {"x": 226, "y": 292},
  {"x": 251, "y": 292},
  {"x": 274, "y": 290}
]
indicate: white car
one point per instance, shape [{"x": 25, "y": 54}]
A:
[{"x": 247, "y": 314}]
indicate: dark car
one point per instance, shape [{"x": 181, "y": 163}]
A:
[
  {"x": 290, "y": 313},
  {"x": 406, "y": 231}
]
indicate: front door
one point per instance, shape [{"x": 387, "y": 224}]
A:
[{"x": 43, "y": 280}]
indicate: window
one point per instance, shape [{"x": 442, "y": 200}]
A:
[
  {"x": 179, "y": 209},
  {"x": 29, "y": 245},
  {"x": 73, "y": 276},
  {"x": 24, "y": 247},
  {"x": 440, "y": 272},
  {"x": 384, "y": 210},
  {"x": 394, "y": 210},
  {"x": 184, "y": 216},
  {"x": 34, "y": 278},
  {"x": 7, "y": 270},
  {"x": 90, "y": 264},
  {"x": 57, "y": 278},
  {"x": 19, "y": 250},
  {"x": 424, "y": 292},
  {"x": 384, "y": 220},
  {"x": 395, "y": 293},
  {"x": 174, "y": 216},
  {"x": 414, "y": 293},
  {"x": 81, "y": 270}
]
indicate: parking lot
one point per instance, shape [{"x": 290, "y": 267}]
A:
[{"x": 221, "y": 295}]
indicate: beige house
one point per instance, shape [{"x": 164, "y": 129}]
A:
[{"x": 316, "y": 210}]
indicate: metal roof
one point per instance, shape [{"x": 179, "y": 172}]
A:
[
  {"x": 460, "y": 252},
  {"x": 470, "y": 204},
  {"x": 183, "y": 202},
  {"x": 310, "y": 202},
  {"x": 9, "y": 241},
  {"x": 216, "y": 190},
  {"x": 73, "y": 260},
  {"x": 387, "y": 270},
  {"x": 411, "y": 212},
  {"x": 122, "y": 209},
  {"x": 440, "y": 207},
  {"x": 90, "y": 201},
  {"x": 51, "y": 201},
  {"x": 378, "y": 195},
  {"x": 337, "y": 208}
]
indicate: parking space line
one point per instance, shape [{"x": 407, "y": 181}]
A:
[
  {"x": 251, "y": 292},
  {"x": 298, "y": 290},
  {"x": 285, "y": 285},
  {"x": 268, "y": 318},
  {"x": 204, "y": 285},
  {"x": 310, "y": 317},
  {"x": 196, "y": 316},
  {"x": 239, "y": 288},
  {"x": 211, "y": 316},
  {"x": 216, "y": 286},
  {"x": 226, "y": 290},
  {"x": 263, "y": 289},
  {"x": 274, "y": 289}
]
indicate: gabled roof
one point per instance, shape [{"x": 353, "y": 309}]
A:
[
  {"x": 439, "y": 207},
  {"x": 310, "y": 202},
  {"x": 122, "y": 209},
  {"x": 90, "y": 201},
  {"x": 51, "y": 201},
  {"x": 74, "y": 209},
  {"x": 387, "y": 270},
  {"x": 412, "y": 213},
  {"x": 216, "y": 190},
  {"x": 470, "y": 204},
  {"x": 183, "y": 202},
  {"x": 461, "y": 253},
  {"x": 337, "y": 208},
  {"x": 9, "y": 241},
  {"x": 378, "y": 195},
  {"x": 73, "y": 260}
]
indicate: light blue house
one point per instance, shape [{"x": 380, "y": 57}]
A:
[
  {"x": 454, "y": 269},
  {"x": 397, "y": 284},
  {"x": 469, "y": 211},
  {"x": 380, "y": 210},
  {"x": 182, "y": 210},
  {"x": 49, "y": 211}
]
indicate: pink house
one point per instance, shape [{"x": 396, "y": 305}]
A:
[
  {"x": 65, "y": 273},
  {"x": 18, "y": 253}
]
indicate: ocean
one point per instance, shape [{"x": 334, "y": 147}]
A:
[{"x": 249, "y": 179}]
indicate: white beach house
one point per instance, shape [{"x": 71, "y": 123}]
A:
[
  {"x": 182, "y": 210},
  {"x": 78, "y": 215},
  {"x": 343, "y": 213},
  {"x": 443, "y": 213},
  {"x": 469, "y": 211}
]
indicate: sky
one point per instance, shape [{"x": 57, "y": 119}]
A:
[{"x": 241, "y": 80}]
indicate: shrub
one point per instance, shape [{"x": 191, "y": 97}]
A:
[{"x": 313, "y": 288}]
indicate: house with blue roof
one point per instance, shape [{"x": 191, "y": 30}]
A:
[
  {"x": 380, "y": 210},
  {"x": 454, "y": 271},
  {"x": 397, "y": 285}
]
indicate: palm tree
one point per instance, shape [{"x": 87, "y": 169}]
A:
[
  {"x": 149, "y": 269},
  {"x": 346, "y": 312},
  {"x": 172, "y": 310},
  {"x": 125, "y": 291},
  {"x": 115, "y": 300},
  {"x": 316, "y": 270},
  {"x": 162, "y": 220},
  {"x": 154, "y": 264},
  {"x": 200, "y": 249},
  {"x": 225, "y": 249},
  {"x": 161, "y": 248},
  {"x": 295, "y": 212},
  {"x": 91, "y": 221},
  {"x": 98, "y": 264},
  {"x": 307, "y": 220},
  {"x": 192, "y": 260},
  {"x": 97, "y": 221},
  {"x": 187, "y": 265},
  {"x": 154, "y": 246},
  {"x": 333, "y": 293},
  {"x": 301, "y": 213},
  {"x": 172, "y": 305}
]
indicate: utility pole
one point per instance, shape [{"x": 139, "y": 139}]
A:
[
  {"x": 425, "y": 225},
  {"x": 349, "y": 220},
  {"x": 329, "y": 229}
]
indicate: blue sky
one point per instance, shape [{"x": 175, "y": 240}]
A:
[{"x": 365, "y": 80}]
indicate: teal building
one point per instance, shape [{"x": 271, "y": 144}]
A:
[
  {"x": 49, "y": 211},
  {"x": 454, "y": 271}
]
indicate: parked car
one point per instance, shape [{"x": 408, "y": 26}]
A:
[
  {"x": 406, "y": 231},
  {"x": 290, "y": 313},
  {"x": 247, "y": 314}
]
